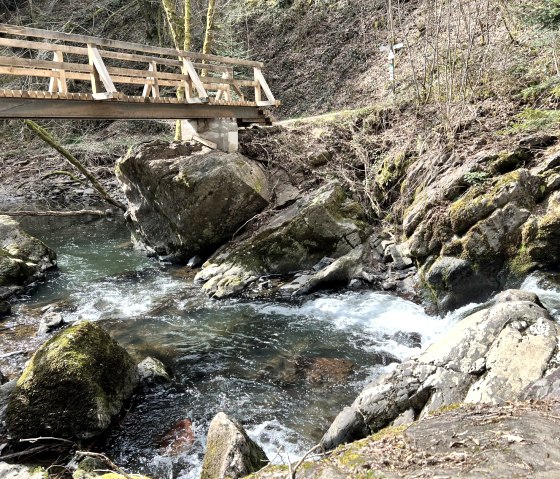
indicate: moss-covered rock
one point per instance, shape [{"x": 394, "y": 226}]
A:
[
  {"x": 325, "y": 223},
  {"x": 73, "y": 385},
  {"x": 229, "y": 451},
  {"x": 14, "y": 471},
  {"x": 95, "y": 468},
  {"x": 23, "y": 258},
  {"x": 182, "y": 203}
]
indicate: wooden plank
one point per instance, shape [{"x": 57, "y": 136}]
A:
[
  {"x": 189, "y": 70},
  {"x": 259, "y": 77},
  {"x": 101, "y": 70},
  {"x": 16, "y": 71},
  {"x": 58, "y": 83},
  {"x": 120, "y": 45},
  {"x": 36, "y": 63}
]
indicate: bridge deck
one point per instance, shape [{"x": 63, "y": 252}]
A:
[{"x": 209, "y": 86}]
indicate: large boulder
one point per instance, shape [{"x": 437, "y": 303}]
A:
[
  {"x": 229, "y": 451},
  {"x": 491, "y": 356},
  {"x": 73, "y": 385},
  {"x": 23, "y": 258},
  {"x": 466, "y": 442},
  {"x": 324, "y": 223},
  {"x": 182, "y": 203}
]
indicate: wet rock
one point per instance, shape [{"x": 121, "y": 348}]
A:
[
  {"x": 348, "y": 426},
  {"x": 2, "y": 378},
  {"x": 153, "y": 371},
  {"x": 182, "y": 204},
  {"x": 23, "y": 258},
  {"x": 15, "y": 471},
  {"x": 338, "y": 272},
  {"x": 179, "y": 438},
  {"x": 324, "y": 370},
  {"x": 6, "y": 390},
  {"x": 229, "y": 451},
  {"x": 73, "y": 385},
  {"x": 410, "y": 339},
  {"x": 454, "y": 282},
  {"x": 49, "y": 322},
  {"x": 323, "y": 223},
  {"x": 5, "y": 309},
  {"x": 485, "y": 358}
]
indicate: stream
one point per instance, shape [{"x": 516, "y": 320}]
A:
[{"x": 284, "y": 370}]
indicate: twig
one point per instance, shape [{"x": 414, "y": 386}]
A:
[
  {"x": 313, "y": 449},
  {"x": 55, "y": 213},
  {"x": 13, "y": 353},
  {"x": 72, "y": 176},
  {"x": 27, "y": 452},
  {"x": 107, "y": 460},
  {"x": 35, "y": 439}
]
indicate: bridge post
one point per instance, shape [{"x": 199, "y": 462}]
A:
[{"x": 219, "y": 133}]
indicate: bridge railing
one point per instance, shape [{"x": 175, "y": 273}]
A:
[{"x": 152, "y": 74}]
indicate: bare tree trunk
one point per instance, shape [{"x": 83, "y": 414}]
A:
[
  {"x": 47, "y": 138},
  {"x": 209, "y": 33}
]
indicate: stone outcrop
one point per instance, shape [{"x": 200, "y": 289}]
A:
[
  {"x": 485, "y": 223},
  {"x": 73, "y": 386},
  {"x": 229, "y": 451},
  {"x": 491, "y": 356},
  {"x": 466, "y": 442},
  {"x": 183, "y": 202},
  {"x": 23, "y": 258},
  {"x": 324, "y": 223},
  {"x": 96, "y": 468}
]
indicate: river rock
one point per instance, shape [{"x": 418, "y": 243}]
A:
[
  {"x": 491, "y": 356},
  {"x": 153, "y": 371},
  {"x": 15, "y": 471},
  {"x": 324, "y": 223},
  {"x": 182, "y": 203},
  {"x": 23, "y": 258},
  {"x": 5, "y": 309},
  {"x": 229, "y": 451},
  {"x": 72, "y": 386}
]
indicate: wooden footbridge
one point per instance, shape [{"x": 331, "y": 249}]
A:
[{"x": 69, "y": 76}]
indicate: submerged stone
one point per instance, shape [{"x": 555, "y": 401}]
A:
[{"x": 73, "y": 385}]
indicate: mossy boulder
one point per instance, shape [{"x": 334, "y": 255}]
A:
[
  {"x": 23, "y": 258},
  {"x": 183, "y": 203},
  {"x": 229, "y": 451},
  {"x": 95, "y": 468},
  {"x": 73, "y": 385},
  {"x": 326, "y": 223}
]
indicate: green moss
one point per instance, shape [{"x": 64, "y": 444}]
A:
[
  {"x": 390, "y": 431},
  {"x": 80, "y": 376},
  {"x": 447, "y": 408}
]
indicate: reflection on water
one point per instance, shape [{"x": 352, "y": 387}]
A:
[{"x": 284, "y": 370}]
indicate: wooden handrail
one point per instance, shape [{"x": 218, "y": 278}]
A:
[
  {"x": 103, "y": 77},
  {"x": 120, "y": 45}
]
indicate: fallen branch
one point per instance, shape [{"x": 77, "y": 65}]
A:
[
  {"x": 72, "y": 176},
  {"x": 28, "y": 452},
  {"x": 13, "y": 353},
  {"x": 297, "y": 466},
  {"x": 56, "y": 213},
  {"x": 48, "y": 138}
]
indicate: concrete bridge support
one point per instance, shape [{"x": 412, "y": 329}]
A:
[{"x": 218, "y": 133}]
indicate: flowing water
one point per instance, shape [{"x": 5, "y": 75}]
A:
[{"x": 283, "y": 369}]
